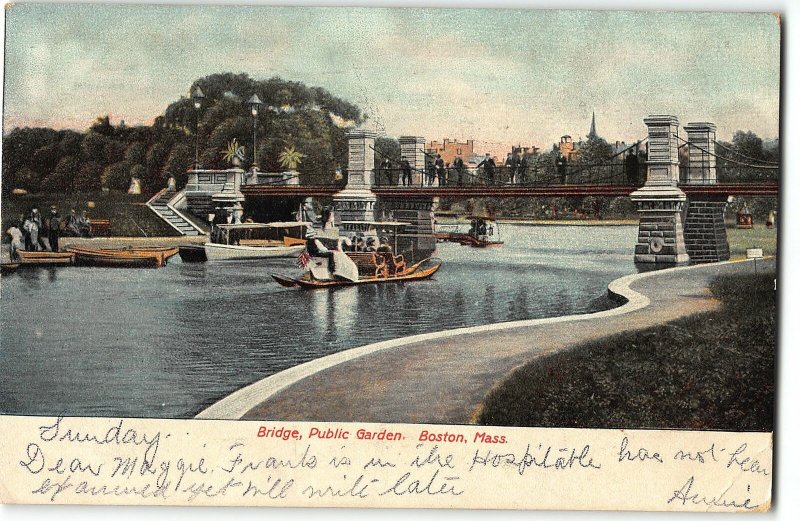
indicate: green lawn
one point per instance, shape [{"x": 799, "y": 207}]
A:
[
  {"x": 759, "y": 237},
  {"x": 710, "y": 371},
  {"x": 128, "y": 215}
]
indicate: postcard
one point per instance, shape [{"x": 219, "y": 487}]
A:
[{"x": 389, "y": 257}]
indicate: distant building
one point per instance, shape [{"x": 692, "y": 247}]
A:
[
  {"x": 449, "y": 150},
  {"x": 568, "y": 148},
  {"x": 527, "y": 152}
]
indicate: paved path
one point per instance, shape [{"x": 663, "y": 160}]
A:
[{"x": 443, "y": 377}]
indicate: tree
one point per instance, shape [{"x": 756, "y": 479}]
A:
[
  {"x": 62, "y": 179},
  {"x": 88, "y": 177}
]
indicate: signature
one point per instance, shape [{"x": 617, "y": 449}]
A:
[{"x": 687, "y": 494}]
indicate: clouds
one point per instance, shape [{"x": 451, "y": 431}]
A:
[{"x": 493, "y": 75}]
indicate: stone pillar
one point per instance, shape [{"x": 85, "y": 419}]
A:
[
  {"x": 417, "y": 240},
  {"x": 704, "y": 230},
  {"x": 660, "y": 201},
  {"x": 412, "y": 149},
  {"x": 355, "y": 204},
  {"x": 702, "y": 165}
]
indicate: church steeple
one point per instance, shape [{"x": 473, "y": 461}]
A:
[{"x": 592, "y": 130}]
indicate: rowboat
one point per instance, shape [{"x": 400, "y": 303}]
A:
[
  {"x": 123, "y": 257},
  {"x": 7, "y": 268},
  {"x": 45, "y": 258},
  {"x": 413, "y": 273},
  {"x": 248, "y": 241}
]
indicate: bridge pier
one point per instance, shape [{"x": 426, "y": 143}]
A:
[
  {"x": 704, "y": 232},
  {"x": 660, "y": 202},
  {"x": 355, "y": 204}
]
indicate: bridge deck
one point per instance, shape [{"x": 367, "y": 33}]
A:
[{"x": 600, "y": 190}]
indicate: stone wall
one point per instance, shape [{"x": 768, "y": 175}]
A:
[{"x": 704, "y": 231}]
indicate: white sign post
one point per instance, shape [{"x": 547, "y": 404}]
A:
[{"x": 755, "y": 254}]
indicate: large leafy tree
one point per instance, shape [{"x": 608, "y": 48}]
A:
[{"x": 310, "y": 119}]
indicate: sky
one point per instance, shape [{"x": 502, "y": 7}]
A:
[{"x": 499, "y": 76}]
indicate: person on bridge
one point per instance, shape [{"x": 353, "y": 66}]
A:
[
  {"x": 522, "y": 170},
  {"x": 562, "y": 169},
  {"x": 510, "y": 167},
  {"x": 405, "y": 166},
  {"x": 386, "y": 167},
  {"x": 438, "y": 166},
  {"x": 488, "y": 165},
  {"x": 632, "y": 168},
  {"x": 458, "y": 166},
  {"x": 430, "y": 173}
]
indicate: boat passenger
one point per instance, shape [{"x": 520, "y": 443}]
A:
[
  {"x": 371, "y": 245},
  {"x": 384, "y": 246},
  {"x": 316, "y": 249},
  {"x": 359, "y": 244}
]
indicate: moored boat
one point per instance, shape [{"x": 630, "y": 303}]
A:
[
  {"x": 248, "y": 241},
  {"x": 7, "y": 268},
  {"x": 120, "y": 258},
  {"x": 45, "y": 258},
  {"x": 192, "y": 253}
]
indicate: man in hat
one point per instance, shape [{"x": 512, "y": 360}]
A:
[
  {"x": 458, "y": 166},
  {"x": 53, "y": 228},
  {"x": 488, "y": 165},
  {"x": 405, "y": 166},
  {"x": 438, "y": 166}
]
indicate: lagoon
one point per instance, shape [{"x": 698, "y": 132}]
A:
[{"x": 167, "y": 343}]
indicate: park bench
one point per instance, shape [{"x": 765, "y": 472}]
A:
[
  {"x": 99, "y": 227},
  {"x": 369, "y": 264}
]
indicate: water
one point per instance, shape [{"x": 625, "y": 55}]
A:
[{"x": 171, "y": 341}]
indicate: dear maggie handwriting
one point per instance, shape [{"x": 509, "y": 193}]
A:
[{"x": 126, "y": 460}]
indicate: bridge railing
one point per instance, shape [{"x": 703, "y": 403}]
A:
[{"x": 533, "y": 175}]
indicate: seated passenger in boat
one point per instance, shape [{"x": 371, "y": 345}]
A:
[
  {"x": 371, "y": 245},
  {"x": 384, "y": 247}
]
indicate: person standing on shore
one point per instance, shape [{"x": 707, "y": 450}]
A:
[
  {"x": 53, "y": 228},
  {"x": 16, "y": 241}
]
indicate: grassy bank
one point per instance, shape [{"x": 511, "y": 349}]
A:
[
  {"x": 759, "y": 237},
  {"x": 128, "y": 214},
  {"x": 710, "y": 371}
]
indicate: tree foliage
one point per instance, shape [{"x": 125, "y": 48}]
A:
[{"x": 293, "y": 115}]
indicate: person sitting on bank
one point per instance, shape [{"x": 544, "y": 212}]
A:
[
  {"x": 84, "y": 225},
  {"x": 72, "y": 224}
]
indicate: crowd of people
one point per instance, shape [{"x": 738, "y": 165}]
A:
[{"x": 37, "y": 232}]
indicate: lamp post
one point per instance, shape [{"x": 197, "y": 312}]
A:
[
  {"x": 254, "y": 103},
  {"x": 197, "y": 98}
]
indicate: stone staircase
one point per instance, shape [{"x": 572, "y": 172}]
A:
[
  {"x": 704, "y": 231},
  {"x": 161, "y": 205}
]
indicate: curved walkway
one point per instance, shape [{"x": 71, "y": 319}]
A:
[{"x": 443, "y": 377}]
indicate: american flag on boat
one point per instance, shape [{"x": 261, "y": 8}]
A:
[{"x": 303, "y": 259}]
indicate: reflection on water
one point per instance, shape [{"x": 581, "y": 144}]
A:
[{"x": 168, "y": 342}]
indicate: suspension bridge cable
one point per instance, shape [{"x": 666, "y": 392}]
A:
[
  {"x": 743, "y": 155},
  {"x": 760, "y": 167}
]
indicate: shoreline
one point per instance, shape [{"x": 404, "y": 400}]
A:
[{"x": 250, "y": 401}]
